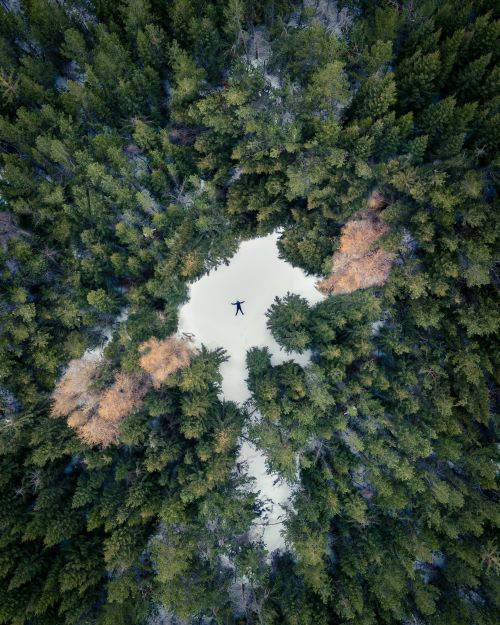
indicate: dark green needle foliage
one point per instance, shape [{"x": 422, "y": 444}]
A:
[
  {"x": 140, "y": 141},
  {"x": 288, "y": 321}
]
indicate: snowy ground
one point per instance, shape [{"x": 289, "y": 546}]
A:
[
  {"x": 254, "y": 275},
  {"x": 97, "y": 353}
]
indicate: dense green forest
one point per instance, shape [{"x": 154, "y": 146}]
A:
[{"x": 141, "y": 141}]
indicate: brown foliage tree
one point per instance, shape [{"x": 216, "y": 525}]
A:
[
  {"x": 96, "y": 414},
  {"x": 98, "y": 432},
  {"x": 357, "y": 265},
  {"x": 73, "y": 396},
  {"x": 123, "y": 397},
  {"x": 163, "y": 358}
]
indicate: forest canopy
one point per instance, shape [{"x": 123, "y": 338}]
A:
[{"x": 140, "y": 142}]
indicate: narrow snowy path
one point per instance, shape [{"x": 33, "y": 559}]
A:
[{"x": 254, "y": 275}]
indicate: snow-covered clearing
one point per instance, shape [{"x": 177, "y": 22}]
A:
[
  {"x": 254, "y": 275},
  {"x": 106, "y": 332}
]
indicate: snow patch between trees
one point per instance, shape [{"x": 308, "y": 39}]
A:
[{"x": 254, "y": 275}]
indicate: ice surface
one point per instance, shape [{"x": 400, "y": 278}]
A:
[{"x": 254, "y": 275}]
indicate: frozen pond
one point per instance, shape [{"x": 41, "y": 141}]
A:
[{"x": 254, "y": 275}]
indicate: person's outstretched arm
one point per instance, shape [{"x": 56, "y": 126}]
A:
[{"x": 233, "y": 303}]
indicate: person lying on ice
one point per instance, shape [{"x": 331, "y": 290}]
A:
[{"x": 238, "y": 304}]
